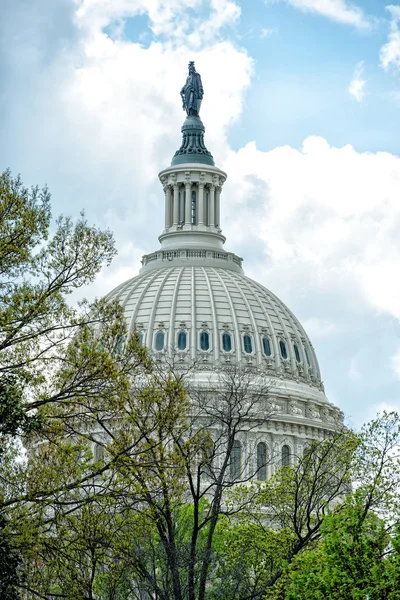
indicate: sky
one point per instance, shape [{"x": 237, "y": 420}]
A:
[{"x": 301, "y": 109}]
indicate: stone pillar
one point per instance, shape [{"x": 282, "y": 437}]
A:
[
  {"x": 188, "y": 201},
  {"x": 200, "y": 204},
  {"x": 211, "y": 208},
  {"x": 176, "y": 204},
  {"x": 167, "y": 206},
  {"x": 218, "y": 206}
]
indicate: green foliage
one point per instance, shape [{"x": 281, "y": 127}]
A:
[
  {"x": 351, "y": 560},
  {"x": 9, "y": 565},
  {"x": 37, "y": 273}
]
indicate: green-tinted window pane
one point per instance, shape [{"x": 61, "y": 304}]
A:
[
  {"x": 226, "y": 342},
  {"x": 261, "y": 461},
  {"x": 204, "y": 340},
  {"x": 160, "y": 340},
  {"x": 285, "y": 456},
  {"x": 296, "y": 353},
  {"x": 247, "y": 344},
  {"x": 182, "y": 339},
  {"x": 236, "y": 459},
  {"x": 266, "y": 346}
]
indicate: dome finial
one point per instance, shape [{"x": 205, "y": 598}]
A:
[
  {"x": 192, "y": 92},
  {"x": 192, "y": 149}
]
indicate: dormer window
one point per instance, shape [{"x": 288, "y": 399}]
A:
[
  {"x": 226, "y": 342},
  {"x": 282, "y": 347},
  {"x": 296, "y": 353},
  {"x": 182, "y": 340},
  {"x": 159, "y": 341},
  {"x": 266, "y": 346},
  {"x": 204, "y": 341},
  {"x": 247, "y": 344}
]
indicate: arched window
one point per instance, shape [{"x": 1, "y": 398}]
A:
[
  {"x": 182, "y": 340},
  {"x": 283, "y": 350},
  {"x": 160, "y": 336},
  {"x": 207, "y": 458},
  {"x": 236, "y": 460},
  {"x": 193, "y": 205},
  {"x": 141, "y": 337},
  {"x": 307, "y": 356},
  {"x": 98, "y": 453},
  {"x": 247, "y": 344},
  {"x": 285, "y": 456},
  {"x": 261, "y": 461},
  {"x": 226, "y": 342},
  {"x": 266, "y": 346},
  {"x": 296, "y": 352},
  {"x": 204, "y": 340}
]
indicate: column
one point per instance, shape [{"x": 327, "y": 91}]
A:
[
  {"x": 211, "y": 216},
  {"x": 200, "y": 204},
  {"x": 176, "y": 204},
  {"x": 167, "y": 206},
  {"x": 188, "y": 202},
  {"x": 217, "y": 206}
]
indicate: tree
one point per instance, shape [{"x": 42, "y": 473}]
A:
[
  {"x": 351, "y": 561},
  {"x": 283, "y": 517},
  {"x": 47, "y": 353},
  {"x": 38, "y": 271}
]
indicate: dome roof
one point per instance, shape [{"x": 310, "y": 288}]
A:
[{"x": 262, "y": 331}]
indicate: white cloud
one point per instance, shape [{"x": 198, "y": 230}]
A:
[
  {"x": 390, "y": 52},
  {"x": 319, "y": 328},
  {"x": 357, "y": 84},
  {"x": 337, "y": 10},
  {"x": 395, "y": 362},
  {"x": 354, "y": 373},
  {"x": 328, "y": 217},
  {"x": 174, "y": 19}
]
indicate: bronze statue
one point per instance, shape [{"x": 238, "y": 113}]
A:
[{"x": 192, "y": 92}]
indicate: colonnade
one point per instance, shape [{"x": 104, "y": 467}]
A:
[{"x": 192, "y": 203}]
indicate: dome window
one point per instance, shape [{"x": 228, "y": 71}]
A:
[
  {"x": 98, "y": 453},
  {"x": 283, "y": 350},
  {"x": 266, "y": 346},
  {"x": 307, "y": 356},
  {"x": 236, "y": 460},
  {"x": 285, "y": 456},
  {"x": 160, "y": 337},
  {"x": 182, "y": 340},
  {"x": 119, "y": 344},
  {"x": 226, "y": 342},
  {"x": 204, "y": 341},
  {"x": 247, "y": 344},
  {"x": 296, "y": 352},
  {"x": 261, "y": 461}
]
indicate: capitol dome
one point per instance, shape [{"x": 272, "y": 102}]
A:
[{"x": 192, "y": 303}]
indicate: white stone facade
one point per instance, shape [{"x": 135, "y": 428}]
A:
[{"x": 192, "y": 303}]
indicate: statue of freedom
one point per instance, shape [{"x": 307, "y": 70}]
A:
[{"x": 192, "y": 92}]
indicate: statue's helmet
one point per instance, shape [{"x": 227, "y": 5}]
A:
[{"x": 191, "y": 66}]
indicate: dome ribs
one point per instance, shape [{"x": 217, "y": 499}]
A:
[
  {"x": 235, "y": 323},
  {"x": 215, "y": 340},
  {"x": 172, "y": 325}
]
